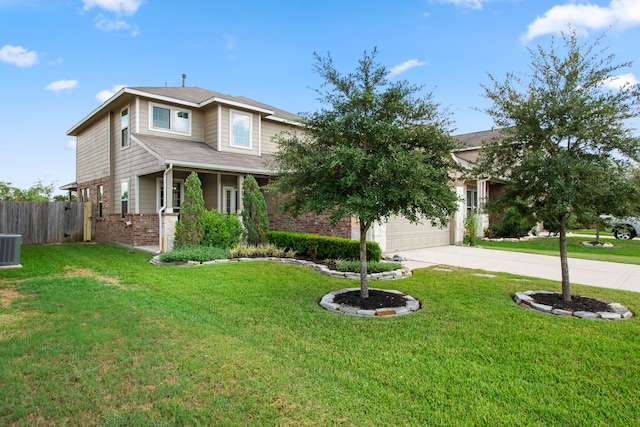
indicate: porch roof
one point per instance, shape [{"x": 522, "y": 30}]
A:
[{"x": 193, "y": 154}]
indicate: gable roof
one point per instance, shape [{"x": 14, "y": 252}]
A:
[
  {"x": 474, "y": 140},
  {"x": 194, "y": 154},
  {"x": 194, "y": 97}
]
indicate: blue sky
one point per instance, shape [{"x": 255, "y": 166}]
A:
[{"x": 59, "y": 59}]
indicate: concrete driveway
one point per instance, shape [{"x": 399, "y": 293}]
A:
[{"x": 585, "y": 272}]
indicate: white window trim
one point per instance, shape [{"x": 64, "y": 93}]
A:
[
  {"x": 125, "y": 144},
  {"x": 122, "y": 214},
  {"x": 172, "y": 110},
  {"x": 159, "y": 188},
  {"x": 231, "y": 144}
]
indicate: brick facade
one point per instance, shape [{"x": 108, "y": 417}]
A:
[
  {"x": 142, "y": 231},
  {"x": 311, "y": 224}
]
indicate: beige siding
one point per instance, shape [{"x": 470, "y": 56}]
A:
[
  {"x": 131, "y": 162},
  {"x": 404, "y": 236},
  {"x": 211, "y": 127},
  {"x": 209, "y": 190},
  {"x": 92, "y": 151},
  {"x": 197, "y": 122},
  {"x": 470, "y": 155},
  {"x": 269, "y": 130},
  {"x": 148, "y": 193}
]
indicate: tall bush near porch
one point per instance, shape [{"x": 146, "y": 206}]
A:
[
  {"x": 190, "y": 227},
  {"x": 254, "y": 212}
]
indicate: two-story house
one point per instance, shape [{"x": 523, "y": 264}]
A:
[{"x": 134, "y": 152}]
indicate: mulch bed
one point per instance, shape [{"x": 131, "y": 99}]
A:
[
  {"x": 578, "y": 303},
  {"x": 377, "y": 299}
]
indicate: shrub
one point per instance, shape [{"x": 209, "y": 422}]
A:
[
  {"x": 513, "y": 225},
  {"x": 471, "y": 227},
  {"x": 260, "y": 252},
  {"x": 323, "y": 247},
  {"x": 254, "y": 212},
  {"x": 190, "y": 227},
  {"x": 194, "y": 253},
  {"x": 372, "y": 266},
  {"x": 221, "y": 230}
]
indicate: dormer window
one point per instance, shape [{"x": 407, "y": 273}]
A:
[
  {"x": 170, "y": 119},
  {"x": 240, "y": 129}
]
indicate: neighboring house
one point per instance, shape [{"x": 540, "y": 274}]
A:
[
  {"x": 475, "y": 193},
  {"x": 143, "y": 142}
]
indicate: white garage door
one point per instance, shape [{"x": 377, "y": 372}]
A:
[{"x": 404, "y": 236}]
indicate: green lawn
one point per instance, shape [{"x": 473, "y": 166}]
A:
[
  {"x": 623, "y": 251},
  {"x": 92, "y": 335}
]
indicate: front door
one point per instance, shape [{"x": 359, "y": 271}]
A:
[{"x": 229, "y": 202}]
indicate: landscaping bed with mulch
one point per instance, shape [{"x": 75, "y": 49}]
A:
[
  {"x": 377, "y": 299},
  {"x": 577, "y": 303},
  {"x": 579, "y": 306}
]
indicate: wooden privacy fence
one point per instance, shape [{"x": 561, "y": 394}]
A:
[{"x": 46, "y": 222}]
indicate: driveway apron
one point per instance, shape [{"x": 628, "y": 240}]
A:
[{"x": 585, "y": 272}]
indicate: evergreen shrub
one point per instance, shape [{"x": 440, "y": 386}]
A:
[{"x": 323, "y": 247}]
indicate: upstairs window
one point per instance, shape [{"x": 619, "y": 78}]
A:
[
  {"x": 240, "y": 129},
  {"x": 124, "y": 128},
  {"x": 170, "y": 119}
]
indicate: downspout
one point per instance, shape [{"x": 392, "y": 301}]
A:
[{"x": 164, "y": 205}]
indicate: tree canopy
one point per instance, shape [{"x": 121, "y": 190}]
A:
[
  {"x": 565, "y": 130},
  {"x": 38, "y": 192},
  {"x": 374, "y": 150}
]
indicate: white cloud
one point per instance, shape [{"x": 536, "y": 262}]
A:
[
  {"x": 399, "y": 69},
  {"x": 103, "y": 95},
  {"x": 106, "y": 24},
  {"x": 120, "y": 7},
  {"x": 59, "y": 85},
  {"x": 18, "y": 55},
  {"x": 585, "y": 16},
  {"x": 71, "y": 144},
  {"x": 617, "y": 82},
  {"x": 469, "y": 4}
]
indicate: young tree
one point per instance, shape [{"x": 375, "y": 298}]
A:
[
  {"x": 254, "y": 212},
  {"x": 375, "y": 150},
  {"x": 38, "y": 192},
  {"x": 190, "y": 227},
  {"x": 561, "y": 129}
]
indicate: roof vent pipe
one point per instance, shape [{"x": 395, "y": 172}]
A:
[{"x": 184, "y": 76}]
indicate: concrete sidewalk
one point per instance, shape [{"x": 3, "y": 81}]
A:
[{"x": 585, "y": 272}]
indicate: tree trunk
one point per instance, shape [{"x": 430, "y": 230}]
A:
[
  {"x": 564, "y": 261},
  {"x": 597, "y": 233},
  {"x": 364, "y": 283}
]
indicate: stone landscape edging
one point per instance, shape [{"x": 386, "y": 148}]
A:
[
  {"x": 321, "y": 268},
  {"x": 410, "y": 306},
  {"x": 619, "y": 311}
]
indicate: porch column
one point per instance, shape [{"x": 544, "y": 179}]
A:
[
  {"x": 219, "y": 191},
  {"x": 458, "y": 217},
  {"x": 483, "y": 217},
  {"x": 239, "y": 192},
  {"x": 168, "y": 190}
]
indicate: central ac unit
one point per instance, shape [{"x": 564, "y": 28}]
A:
[{"x": 10, "y": 250}]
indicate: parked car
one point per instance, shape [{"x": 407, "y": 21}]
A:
[{"x": 623, "y": 228}]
